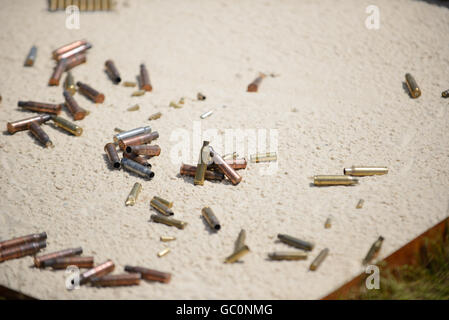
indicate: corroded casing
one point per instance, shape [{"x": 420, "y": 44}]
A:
[
  {"x": 21, "y": 125},
  {"x": 98, "y": 271},
  {"x": 295, "y": 242},
  {"x": 236, "y": 255},
  {"x": 132, "y": 133},
  {"x": 21, "y": 250},
  {"x": 365, "y": 171},
  {"x": 75, "y": 60},
  {"x": 149, "y": 274},
  {"x": 144, "y": 150},
  {"x": 288, "y": 255},
  {"x": 139, "y": 159},
  {"x": 117, "y": 280},
  {"x": 67, "y": 125},
  {"x": 162, "y": 208},
  {"x": 113, "y": 157},
  {"x": 235, "y": 164},
  {"x": 80, "y": 262},
  {"x": 254, "y": 86},
  {"x": 210, "y": 218},
  {"x": 76, "y": 111},
  {"x": 40, "y": 134},
  {"x": 112, "y": 71},
  {"x": 412, "y": 86},
  {"x": 168, "y": 221},
  {"x": 132, "y": 197},
  {"x": 40, "y": 107},
  {"x": 57, "y": 73},
  {"x": 230, "y": 173},
  {"x": 90, "y": 92},
  {"x": 373, "y": 251},
  {"x": 145, "y": 83},
  {"x": 31, "y": 57},
  {"x": 69, "y": 83},
  {"x": 334, "y": 180},
  {"x": 49, "y": 258},
  {"x": 189, "y": 170},
  {"x": 319, "y": 259},
  {"x": 138, "y": 140},
  {"x": 68, "y": 47},
  {"x": 35, "y": 237}
]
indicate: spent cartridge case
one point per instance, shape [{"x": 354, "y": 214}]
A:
[
  {"x": 75, "y": 110},
  {"x": 112, "y": 71},
  {"x": 373, "y": 251},
  {"x": 134, "y": 108},
  {"x": 117, "y": 280},
  {"x": 200, "y": 96},
  {"x": 145, "y": 83},
  {"x": 31, "y": 57},
  {"x": 149, "y": 274},
  {"x": 138, "y": 140},
  {"x": 412, "y": 86},
  {"x": 365, "y": 171},
  {"x": 445, "y": 94},
  {"x": 129, "y": 84},
  {"x": 139, "y": 159},
  {"x": 90, "y": 92},
  {"x": 67, "y": 125},
  {"x": 163, "y": 252},
  {"x": 49, "y": 258},
  {"x": 69, "y": 83},
  {"x": 40, "y": 107},
  {"x": 131, "y": 133},
  {"x": 57, "y": 73},
  {"x": 159, "y": 206},
  {"x": 144, "y": 150},
  {"x": 137, "y": 168},
  {"x": 155, "y": 116},
  {"x": 168, "y": 221},
  {"x": 35, "y": 237},
  {"x": 167, "y": 203},
  {"x": 75, "y": 60},
  {"x": 236, "y": 255},
  {"x": 230, "y": 173},
  {"x": 21, "y": 250},
  {"x": 254, "y": 86},
  {"x": 287, "y": 255},
  {"x": 319, "y": 259},
  {"x": 68, "y": 47},
  {"x": 74, "y": 52},
  {"x": 167, "y": 238},
  {"x": 240, "y": 242},
  {"x": 328, "y": 223},
  {"x": 40, "y": 134},
  {"x": 264, "y": 157},
  {"x": 21, "y": 125},
  {"x": 360, "y": 204},
  {"x": 210, "y": 218},
  {"x": 295, "y": 242},
  {"x": 138, "y": 93},
  {"x": 334, "y": 180},
  {"x": 202, "y": 164},
  {"x": 110, "y": 150},
  {"x": 206, "y": 114},
  {"x": 98, "y": 271},
  {"x": 80, "y": 262},
  {"x": 235, "y": 164},
  {"x": 188, "y": 170},
  {"x": 132, "y": 197}
]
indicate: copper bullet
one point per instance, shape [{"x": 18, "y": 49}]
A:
[
  {"x": 149, "y": 274},
  {"x": 75, "y": 60},
  {"x": 21, "y": 125},
  {"x": 35, "y": 237},
  {"x": 145, "y": 83},
  {"x": 75, "y": 51},
  {"x": 113, "y": 157},
  {"x": 189, "y": 170},
  {"x": 57, "y": 73},
  {"x": 138, "y": 140},
  {"x": 98, "y": 271},
  {"x": 90, "y": 92},
  {"x": 40, "y": 107},
  {"x": 40, "y": 134},
  {"x": 144, "y": 150},
  {"x": 230, "y": 173},
  {"x": 47, "y": 259},
  {"x": 76, "y": 111},
  {"x": 139, "y": 159},
  {"x": 68, "y": 47},
  {"x": 254, "y": 86},
  {"x": 22, "y": 250},
  {"x": 80, "y": 262},
  {"x": 117, "y": 280},
  {"x": 112, "y": 71},
  {"x": 29, "y": 61}
]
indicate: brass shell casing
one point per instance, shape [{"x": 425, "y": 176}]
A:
[
  {"x": 189, "y": 170},
  {"x": 80, "y": 262},
  {"x": 365, "y": 171},
  {"x": 210, "y": 218},
  {"x": 138, "y": 140},
  {"x": 90, "y": 92},
  {"x": 49, "y": 258},
  {"x": 144, "y": 150},
  {"x": 373, "y": 251},
  {"x": 254, "y": 86},
  {"x": 334, "y": 180},
  {"x": 295, "y": 242},
  {"x": 67, "y": 125},
  {"x": 35, "y": 237},
  {"x": 155, "y": 116},
  {"x": 129, "y": 84},
  {"x": 240, "y": 242},
  {"x": 328, "y": 223},
  {"x": 167, "y": 238},
  {"x": 412, "y": 86},
  {"x": 360, "y": 204},
  {"x": 31, "y": 57},
  {"x": 163, "y": 252},
  {"x": 69, "y": 83},
  {"x": 263, "y": 157},
  {"x": 40, "y": 134},
  {"x": 288, "y": 255},
  {"x": 112, "y": 71},
  {"x": 21, "y": 125},
  {"x": 319, "y": 259},
  {"x": 98, "y": 271},
  {"x": 117, "y": 280},
  {"x": 159, "y": 206},
  {"x": 75, "y": 110},
  {"x": 57, "y": 73},
  {"x": 21, "y": 250},
  {"x": 168, "y": 221},
  {"x": 132, "y": 197},
  {"x": 40, "y": 107},
  {"x": 445, "y": 94},
  {"x": 167, "y": 203},
  {"x": 145, "y": 83},
  {"x": 235, "y": 164},
  {"x": 149, "y": 274},
  {"x": 202, "y": 164},
  {"x": 113, "y": 157},
  {"x": 230, "y": 173},
  {"x": 236, "y": 255}
]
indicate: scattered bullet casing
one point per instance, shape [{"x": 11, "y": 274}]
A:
[
  {"x": 76, "y": 111},
  {"x": 412, "y": 86},
  {"x": 167, "y": 203},
  {"x": 113, "y": 157},
  {"x": 156, "y": 204},
  {"x": 75, "y": 60},
  {"x": 286, "y": 255},
  {"x": 328, "y": 223},
  {"x": 21, "y": 125},
  {"x": 35, "y": 237},
  {"x": 69, "y": 83},
  {"x": 445, "y": 94},
  {"x": 132, "y": 197},
  {"x": 68, "y": 47},
  {"x": 319, "y": 259},
  {"x": 295, "y": 242},
  {"x": 138, "y": 140},
  {"x": 167, "y": 238},
  {"x": 189, "y": 170},
  {"x": 230, "y": 173},
  {"x": 40, "y": 107},
  {"x": 138, "y": 93},
  {"x": 334, "y": 180},
  {"x": 149, "y": 274},
  {"x": 90, "y": 92},
  {"x": 240, "y": 242},
  {"x": 163, "y": 252},
  {"x": 202, "y": 164},
  {"x": 29, "y": 61},
  {"x": 228, "y": 156},
  {"x": 264, "y": 157},
  {"x": 129, "y": 84},
  {"x": 139, "y": 159},
  {"x": 112, "y": 71},
  {"x": 237, "y": 254},
  {"x": 144, "y": 150},
  {"x": 373, "y": 251},
  {"x": 134, "y": 108},
  {"x": 132, "y": 133},
  {"x": 155, "y": 116},
  {"x": 235, "y": 164},
  {"x": 80, "y": 262},
  {"x": 207, "y": 114},
  {"x": 67, "y": 125},
  {"x": 137, "y": 168},
  {"x": 360, "y": 204},
  {"x": 57, "y": 73},
  {"x": 21, "y": 250},
  {"x": 200, "y": 96},
  {"x": 116, "y": 280},
  {"x": 210, "y": 218},
  {"x": 254, "y": 86},
  {"x": 145, "y": 83},
  {"x": 365, "y": 171},
  {"x": 40, "y": 134},
  {"x": 168, "y": 221},
  {"x": 47, "y": 259},
  {"x": 98, "y": 271},
  {"x": 74, "y": 52}
]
